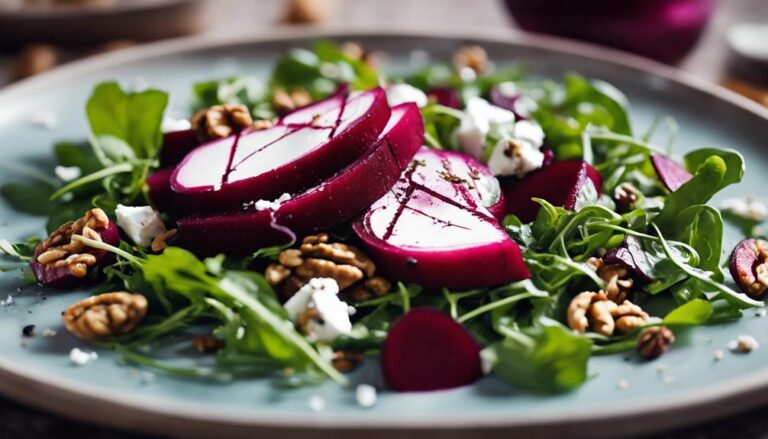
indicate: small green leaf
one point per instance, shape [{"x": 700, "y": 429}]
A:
[
  {"x": 706, "y": 182},
  {"x": 733, "y": 160},
  {"x": 32, "y": 198},
  {"x": 694, "y": 313}
]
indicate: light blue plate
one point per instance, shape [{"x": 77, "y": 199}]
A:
[{"x": 686, "y": 385}]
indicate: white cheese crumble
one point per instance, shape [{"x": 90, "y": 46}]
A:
[
  {"x": 487, "y": 361},
  {"x": 141, "y": 223},
  {"x": 622, "y": 384},
  {"x": 743, "y": 344},
  {"x": 479, "y": 116},
  {"x": 67, "y": 173},
  {"x": 401, "y": 93},
  {"x": 366, "y": 395},
  {"x": 44, "y": 119},
  {"x": 267, "y": 204},
  {"x": 761, "y": 312},
  {"x": 171, "y": 124},
  {"x": 718, "y": 355},
  {"x": 321, "y": 294},
  {"x": 316, "y": 403},
  {"x": 8, "y": 301},
  {"x": 48, "y": 332},
  {"x": 81, "y": 358},
  {"x": 520, "y": 154},
  {"x": 748, "y": 208}
]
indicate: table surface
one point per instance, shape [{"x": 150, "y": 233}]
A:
[{"x": 709, "y": 60}]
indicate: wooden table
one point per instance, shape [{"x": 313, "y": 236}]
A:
[{"x": 709, "y": 60}]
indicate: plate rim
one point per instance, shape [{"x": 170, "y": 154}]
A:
[{"x": 143, "y": 414}]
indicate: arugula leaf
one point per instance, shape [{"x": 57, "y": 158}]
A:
[
  {"x": 693, "y": 313},
  {"x": 133, "y": 117},
  {"x": 706, "y": 182},
  {"x": 548, "y": 359}
]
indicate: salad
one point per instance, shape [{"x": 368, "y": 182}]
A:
[{"x": 458, "y": 220}]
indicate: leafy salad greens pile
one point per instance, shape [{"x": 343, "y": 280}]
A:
[{"x": 522, "y": 325}]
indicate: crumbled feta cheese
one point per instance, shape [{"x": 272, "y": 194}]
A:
[
  {"x": 487, "y": 361},
  {"x": 761, "y": 312},
  {"x": 80, "y": 358},
  {"x": 321, "y": 294},
  {"x": 622, "y": 384},
  {"x": 366, "y": 395},
  {"x": 316, "y": 403},
  {"x": 141, "y": 223},
  {"x": 8, "y": 301},
  {"x": 67, "y": 173},
  {"x": 668, "y": 379},
  {"x": 515, "y": 157},
  {"x": 718, "y": 355},
  {"x": 479, "y": 116},
  {"x": 743, "y": 344},
  {"x": 48, "y": 332},
  {"x": 171, "y": 124},
  {"x": 402, "y": 93},
  {"x": 268, "y": 205},
  {"x": 44, "y": 119},
  {"x": 748, "y": 208}
]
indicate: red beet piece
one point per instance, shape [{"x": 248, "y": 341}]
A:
[
  {"x": 61, "y": 277},
  {"x": 670, "y": 172},
  {"x": 176, "y": 146},
  {"x": 427, "y": 350},
  {"x": 438, "y": 226},
  {"x": 631, "y": 256},
  {"x": 160, "y": 193},
  {"x": 307, "y": 146},
  {"x": 447, "y": 96},
  {"x": 749, "y": 258},
  {"x": 336, "y": 200},
  {"x": 561, "y": 183}
]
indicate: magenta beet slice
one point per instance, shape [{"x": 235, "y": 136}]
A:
[
  {"x": 561, "y": 183},
  {"x": 338, "y": 199},
  {"x": 176, "y": 146},
  {"x": 631, "y": 256},
  {"x": 750, "y": 257},
  {"x": 447, "y": 96},
  {"x": 307, "y": 146},
  {"x": 159, "y": 191},
  {"x": 427, "y": 350},
  {"x": 438, "y": 226},
  {"x": 60, "y": 277},
  {"x": 672, "y": 174}
]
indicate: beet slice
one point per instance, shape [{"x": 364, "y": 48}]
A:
[
  {"x": 563, "y": 183},
  {"x": 672, "y": 174},
  {"x": 61, "y": 277},
  {"x": 305, "y": 147},
  {"x": 176, "y": 146},
  {"x": 438, "y": 226},
  {"x": 160, "y": 193},
  {"x": 336, "y": 200},
  {"x": 631, "y": 256},
  {"x": 446, "y": 96},
  {"x": 427, "y": 350},
  {"x": 749, "y": 258}
]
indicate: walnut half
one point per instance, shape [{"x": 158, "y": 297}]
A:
[
  {"x": 221, "y": 121},
  {"x": 352, "y": 269},
  {"x": 105, "y": 315},
  {"x": 602, "y": 315}
]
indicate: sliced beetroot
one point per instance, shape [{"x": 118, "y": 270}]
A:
[
  {"x": 563, "y": 183},
  {"x": 672, "y": 174},
  {"x": 160, "y": 193},
  {"x": 514, "y": 103},
  {"x": 60, "y": 275},
  {"x": 631, "y": 256},
  {"x": 438, "y": 226},
  {"x": 338, "y": 199},
  {"x": 447, "y": 96},
  {"x": 549, "y": 157},
  {"x": 749, "y": 267},
  {"x": 176, "y": 146},
  {"x": 307, "y": 146},
  {"x": 427, "y": 350}
]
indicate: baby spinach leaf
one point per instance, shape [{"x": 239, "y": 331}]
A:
[
  {"x": 134, "y": 117},
  {"x": 548, "y": 359},
  {"x": 701, "y": 227},
  {"x": 31, "y": 198},
  {"x": 733, "y": 160},
  {"x": 706, "y": 182},
  {"x": 694, "y": 313}
]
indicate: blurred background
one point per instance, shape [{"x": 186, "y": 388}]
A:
[{"x": 724, "y": 41}]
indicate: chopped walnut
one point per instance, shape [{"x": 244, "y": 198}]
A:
[
  {"x": 352, "y": 270},
  {"x": 206, "y": 343},
  {"x": 619, "y": 284},
  {"x": 653, "y": 342},
  {"x": 758, "y": 288},
  {"x": 105, "y": 315},
  {"x": 221, "y": 121},
  {"x": 160, "y": 242},
  {"x": 263, "y": 124},
  {"x": 59, "y": 250},
  {"x": 308, "y": 11},
  {"x": 284, "y": 101},
  {"x": 626, "y": 195},
  {"x": 346, "y": 361},
  {"x": 604, "y": 316},
  {"x": 472, "y": 57}
]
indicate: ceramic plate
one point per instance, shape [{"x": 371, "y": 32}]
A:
[{"x": 685, "y": 386}]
